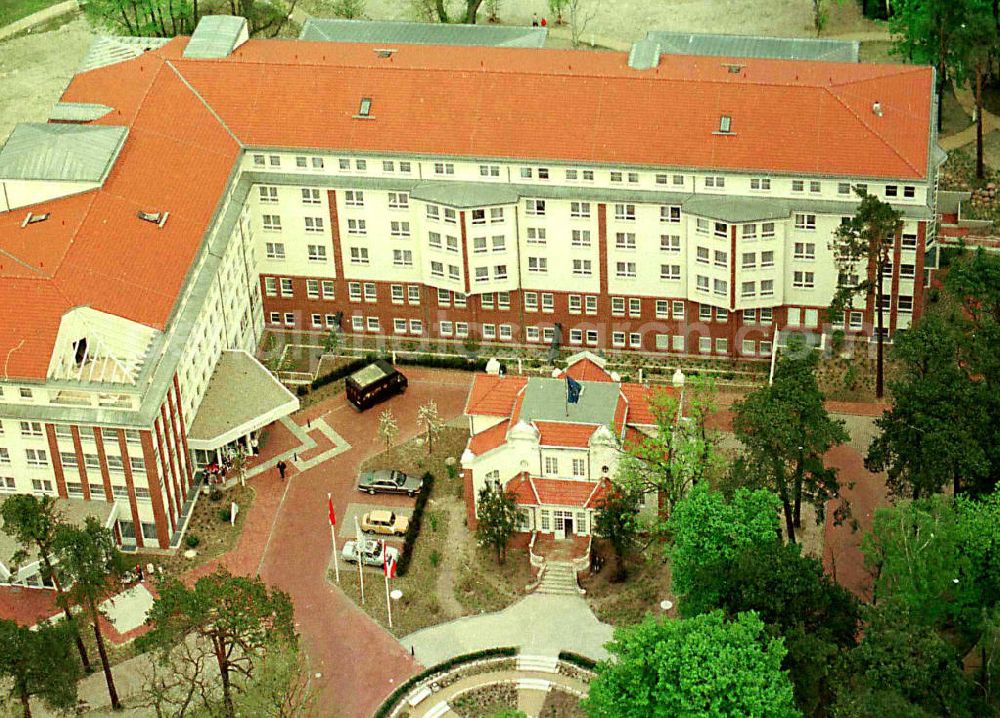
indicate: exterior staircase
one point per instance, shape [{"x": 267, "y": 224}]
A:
[{"x": 559, "y": 578}]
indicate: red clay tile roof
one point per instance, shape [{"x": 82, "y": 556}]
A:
[
  {"x": 559, "y": 492},
  {"x": 493, "y": 437},
  {"x": 93, "y": 250},
  {"x": 493, "y": 395},
  {"x": 638, "y": 397},
  {"x": 586, "y": 370},
  {"x": 558, "y": 433},
  {"x": 185, "y": 117}
]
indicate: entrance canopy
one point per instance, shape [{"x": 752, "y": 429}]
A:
[{"x": 242, "y": 397}]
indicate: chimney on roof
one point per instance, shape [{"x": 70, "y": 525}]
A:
[
  {"x": 34, "y": 219},
  {"x": 384, "y": 52},
  {"x": 877, "y": 108},
  {"x": 157, "y": 218}
]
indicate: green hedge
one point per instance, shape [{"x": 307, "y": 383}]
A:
[
  {"x": 437, "y": 362},
  {"x": 343, "y": 371},
  {"x": 413, "y": 530},
  {"x": 577, "y": 660},
  {"x": 386, "y": 708}
]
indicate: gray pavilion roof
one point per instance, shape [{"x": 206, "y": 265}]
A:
[
  {"x": 108, "y": 50},
  {"x": 782, "y": 48},
  {"x": 421, "y": 33},
  {"x": 61, "y": 152},
  {"x": 545, "y": 400},
  {"x": 216, "y": 36}
]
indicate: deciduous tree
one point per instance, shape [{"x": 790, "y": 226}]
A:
[
  {"x": 32, "y": 522},
  {"x": 429, "y": 419},
  {"x": 862, "y": 249},
  {"x": 702, "y": 666},
  {"x": 681, "y": 450},
  {"x": 617, "y": 520},
  {"x": 785, "y": 431},
  {"x": 387, "y": 428},
  {"x": 38, "y": 663},
  {"x": 709, "y": 531},
  {"x": 94, "y": 567},
  {"x": 497, "y": 513},
  {"x": 237, "y": 617}
]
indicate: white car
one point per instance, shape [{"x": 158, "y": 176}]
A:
[{"x": 371, "y": 552}]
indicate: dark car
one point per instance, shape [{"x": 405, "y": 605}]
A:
[{"x": 389, "y": 481}]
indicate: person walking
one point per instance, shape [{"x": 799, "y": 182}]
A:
[
  {"x": 282, "y": 467},
  {"x": 534, "y": 19}
]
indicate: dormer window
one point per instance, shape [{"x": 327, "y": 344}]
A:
[
  {"x": 157, "y": 218},
  {"x": 365, "y": 108},
  {"x": 34, "y": 219}
]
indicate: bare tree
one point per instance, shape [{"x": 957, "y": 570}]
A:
[
  {"x": 581, "y": 12},
  {"x": 387, "y": 428},
  {"x": 430, "y": 420}
]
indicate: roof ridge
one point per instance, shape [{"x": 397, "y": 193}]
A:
[
  {"x": 871, "y": 130},
  {"x": 203, "y": 101}
]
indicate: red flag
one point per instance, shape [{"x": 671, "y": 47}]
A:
[
  {"x": 333, "y": 516},
  {"x": 388, "y": 563}
]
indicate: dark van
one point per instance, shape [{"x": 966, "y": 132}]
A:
[{"x": 376, "y": 382}]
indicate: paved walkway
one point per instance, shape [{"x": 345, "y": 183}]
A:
[
  {"x": 537, "y": 624},
  {"x": 533, "y": 686},
  {"x": 38, "y": 18},
  {"x": 967, "y": 100}
]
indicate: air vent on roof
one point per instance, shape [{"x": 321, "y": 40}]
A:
[
  {"x": 877, "y": 108},
  {"x": 733, "y": 67},
  {"x": 157, "y": 218},
  {"x": 365, "y": 108},
  {"x": 34, "y": 219},
  {"x": 384, "y": 52}
]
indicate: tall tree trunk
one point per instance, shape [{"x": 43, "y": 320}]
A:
[
  {"x": 781, "y": 484},
  {"x": 227, "y": 691},
  {"x": 442, "y": 13},
  {"x": 798, "y": 492},
  {"x": 25, "y": 699},
  {"x": 880, "y": 326},
  {"x": 103, "y": 651},
  {"x": 60, "y": 600},
  {"x": 980, "y": 169},
  {"x": 942, "y": 74}
]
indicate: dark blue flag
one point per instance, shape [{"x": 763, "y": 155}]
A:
[{"x": 573, "y": 389}]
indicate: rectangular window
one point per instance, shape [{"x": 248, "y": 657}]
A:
[
  {"x": 530, "y": 302},
  {"x": 625, "y": 212},
  {"x": 37, "y": 457},
  {"x": 538, "y": 265},
  {"x": 354, "y": 291},
  {"x": 670, "y": 243},
  {"x": 479, "y": 216},
  {"x": 489, "y": 170},
  {"x": 535, "y": 235},
  {"x": 399, "y": 200},
  {"x": 618, "y": 306},
  {"x": 766, "y": 316},
  {"x": 354, "y": 198},
  {"x": 41, "y": 485},
  {"x": 396, "y": 293},
  {"x": 805, "y": 250},
  {"x": 548, "y": 303},
  {"x": 271, "y": 222},
  {"x": 701, "y": 283},
  {"x": 357, "y": 227},
  {"x": 625, "y": 240},
  {"x": 761, "y": 184},
  {"x": 482, "y": 274},
  {"x": 359, "y": 255},
  {"x": 580, "y": 238},
  {"x": 616, "y": 176},
  {"x": 287, "y": 287},
  {"x": 478, "y": 245},
  {"x": 702, "y": 255},
  {"x": 444, "y": 168},
  {"x": 625, "y": 270},
  {"x": 721, "y": 229},
  {"x": 843, "y": 188},
  {"x": 767, "y": 230},
  {"x": 433, "y": 212},
  {"x": 579, "y": 209},
  {"x": 705, "y": 312},
  {"x": 803, "y": 280},
  {"x": 617, "y": 339},
  {"x": 662, "y": 309},
  {"x": 461, "y": 329},
  {"x": 634, "y": 307},
  {"x": 582, "y": 267},
  {"x": 721, "y": 346},
  {"x": 445, "y": 329},
  {"x": 767, "y": 259},
  {"x": 434, "y": 239},
  {"x": 268, "y": 195},
  {"x": 909, "y": 241},
  {"x": 275, "y": 250},
  {"x": 716, "y": 182},
  {"x": 909, "y": 191},
  {"x": 531, "y": 334},
  {"x": 670, "y": 272},
  {"x": 535, "y": 207},
  {"x": 720, "y": 259},
  {"x": 590, "y": 304},
  {"x": 798, "y": 186},
  {"x": 317, "y": 253},
  {"x": 670, "y": 213},
  {"x": 402, "y": 257},
  {"x": 416, "y": 326},
  {"x": 499, "y": 243},
  {"x": 805, "y": 221},
  {"x": 289, "y": 319},
  {"x": 327, "y": 286},
  {"x": 591, "y": 336},
  {"x": 496, "y": 215},
  {"x": 399, "y": 229},
  {"x": 749, "y": 260},
  {"x": 312, "y": 288},
  {"x": 500, "y": 271},
  {"x": 891, "y": 190},
  {"x": 748, "y": 289},
  {"x": 815, "y": 187},
  {"x": 767, "y": 288},
  {"x": 450, "y": 216}
]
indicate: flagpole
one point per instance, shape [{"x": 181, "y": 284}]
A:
[
  {"x": 333, "y": 537},
  {"x": 385, "y": 571},
  {"x": 359, "y": 551}
]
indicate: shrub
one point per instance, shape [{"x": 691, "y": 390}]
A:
[
  {"x": 837, "y": 340},
  {"x": 435, "y": 558},
  {"x": 342, "y": 371},
  {"x": 301, "y": 390},
  {"x": 577, "y": 660},
  {"x": 438, "y": 362},
  {"x": 386, "y": 708},
  {"x": 214, "y": 494},
  {"x": 192, "y": 541},
  {"x": 224, "y": 514},
  {"x": 413, "y": 530}
]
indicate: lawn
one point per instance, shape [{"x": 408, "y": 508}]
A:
[
  {"x": 625, "y": 603},
  {"x": 215, "y": 536},
  {"x": 13, "y": 10},
  {"x": 449, "y": 575}
]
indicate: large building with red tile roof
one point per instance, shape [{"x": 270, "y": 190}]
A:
[
  {"x": 190, "y": 193},
  {"x": 556, "y": 456}
]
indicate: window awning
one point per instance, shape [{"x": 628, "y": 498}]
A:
[{"x": 242, "y": 397}]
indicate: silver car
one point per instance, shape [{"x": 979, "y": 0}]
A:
[
  {"x": 371, "y": 552},
  {"x": 389, "y": 481}
]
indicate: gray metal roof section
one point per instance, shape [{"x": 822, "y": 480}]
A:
[
  {"x": 782, "y": 48},
  {"x": 421, "y": 33},
  {"x": 78, "y": 111},
  {"x": 462, "y": 195},
  {"x": 545, "y": 400},
  {"x": 644, "y": 55},
  {"x": 216, "y": 36},
  {"x": 108, "y": 50},
  {"x": 736, "y": 210},
  {"x": 240, "y": 391},
  {"x": 64, "y": 152}
]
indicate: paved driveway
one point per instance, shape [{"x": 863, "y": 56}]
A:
[{"x": 360, "y": 662}]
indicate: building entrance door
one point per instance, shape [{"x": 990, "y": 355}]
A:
[{"x": 564, "y": 523}]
